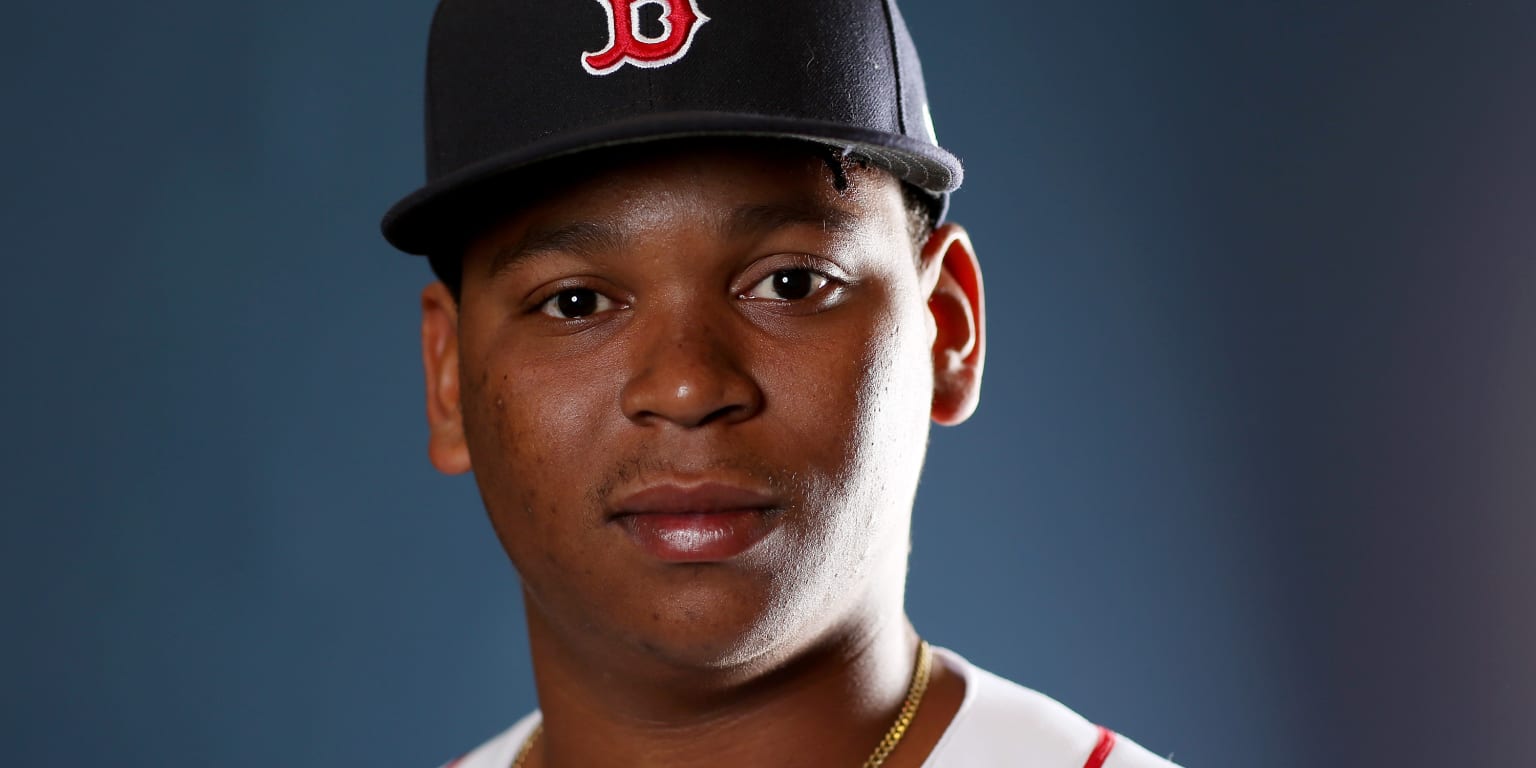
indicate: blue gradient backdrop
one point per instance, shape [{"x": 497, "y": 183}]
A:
[{"x": 1252, "y": 480}]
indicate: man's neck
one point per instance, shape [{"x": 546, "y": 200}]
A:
[{"x": 827, "y": 704}]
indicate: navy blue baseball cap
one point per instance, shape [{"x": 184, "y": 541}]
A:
[{"x": 512, "y": 84}]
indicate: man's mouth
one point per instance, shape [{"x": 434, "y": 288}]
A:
[{"x": 696, "y": 523}]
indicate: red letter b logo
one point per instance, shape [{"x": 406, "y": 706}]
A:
[{"x": 680, "y": 19}]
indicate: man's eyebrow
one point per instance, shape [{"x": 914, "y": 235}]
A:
[
  {"x": 584, "y": 238},
  {"x": 750, "y": 220}
]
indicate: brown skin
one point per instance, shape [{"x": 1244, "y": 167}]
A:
[{"x": 685, "y": 363}]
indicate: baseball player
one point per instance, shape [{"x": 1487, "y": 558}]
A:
[{"x": 697, "y": 307}]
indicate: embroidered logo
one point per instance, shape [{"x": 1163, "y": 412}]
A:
[{"x": 628, "y": 44}]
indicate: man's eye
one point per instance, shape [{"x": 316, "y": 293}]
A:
[
  {"x": 576, "y": 303},
  {"x": 789, "y": 285}
]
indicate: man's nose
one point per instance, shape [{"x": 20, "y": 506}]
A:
[{"x": 689, "y": 371}]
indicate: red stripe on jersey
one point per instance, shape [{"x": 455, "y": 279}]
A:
[{"x": 1101, "y": 750}]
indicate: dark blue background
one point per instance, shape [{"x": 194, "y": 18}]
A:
[{"x": 1252, "y": 480}]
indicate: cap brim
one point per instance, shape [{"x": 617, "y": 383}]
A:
[{"x": 433, "y": 217}]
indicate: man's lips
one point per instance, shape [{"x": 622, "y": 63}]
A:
[
  {"x": 704, "y": 523},
  {"x": 703, "y": 497}
]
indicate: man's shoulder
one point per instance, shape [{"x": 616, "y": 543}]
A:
[{"x": 1001, "y": 722}]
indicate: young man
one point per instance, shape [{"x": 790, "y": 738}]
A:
[{"x": 697, "y": 309}]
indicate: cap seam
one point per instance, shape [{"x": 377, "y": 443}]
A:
[{"x": 901, "y": 96}]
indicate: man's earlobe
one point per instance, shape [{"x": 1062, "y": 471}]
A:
[
  {"x": 952, "y": 277},
  {"x": 440, "y": 357}
]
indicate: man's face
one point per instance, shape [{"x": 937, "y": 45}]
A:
[{"x": 695, "y": 390}]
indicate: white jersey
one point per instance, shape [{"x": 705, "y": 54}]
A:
[{"x": 1000, "y": 724}]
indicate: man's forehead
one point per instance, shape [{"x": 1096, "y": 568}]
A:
[{"x": 594, "y": 237}]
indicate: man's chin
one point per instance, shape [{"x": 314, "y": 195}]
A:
[
  {"x": 746, "y": 615},
  {"x": 705, "y": 630}
]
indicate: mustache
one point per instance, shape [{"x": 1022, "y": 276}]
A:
[{"x": 758, "y": 471}]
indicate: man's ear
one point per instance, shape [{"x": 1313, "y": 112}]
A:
[
  {"x": 952, "y": 281},
  {"x": 440, "y": 356}
]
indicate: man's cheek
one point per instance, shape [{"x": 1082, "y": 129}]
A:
[
  {"x": 820, "y": 420},
  {"x": 533, "y": 479},
  {"x": 551, "y": 438},
  {"x": 521, "y": 407}
]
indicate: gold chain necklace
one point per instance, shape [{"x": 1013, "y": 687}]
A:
[
  {"x": 908, "y": 711},
  {"x": 887, "y": 744}
]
